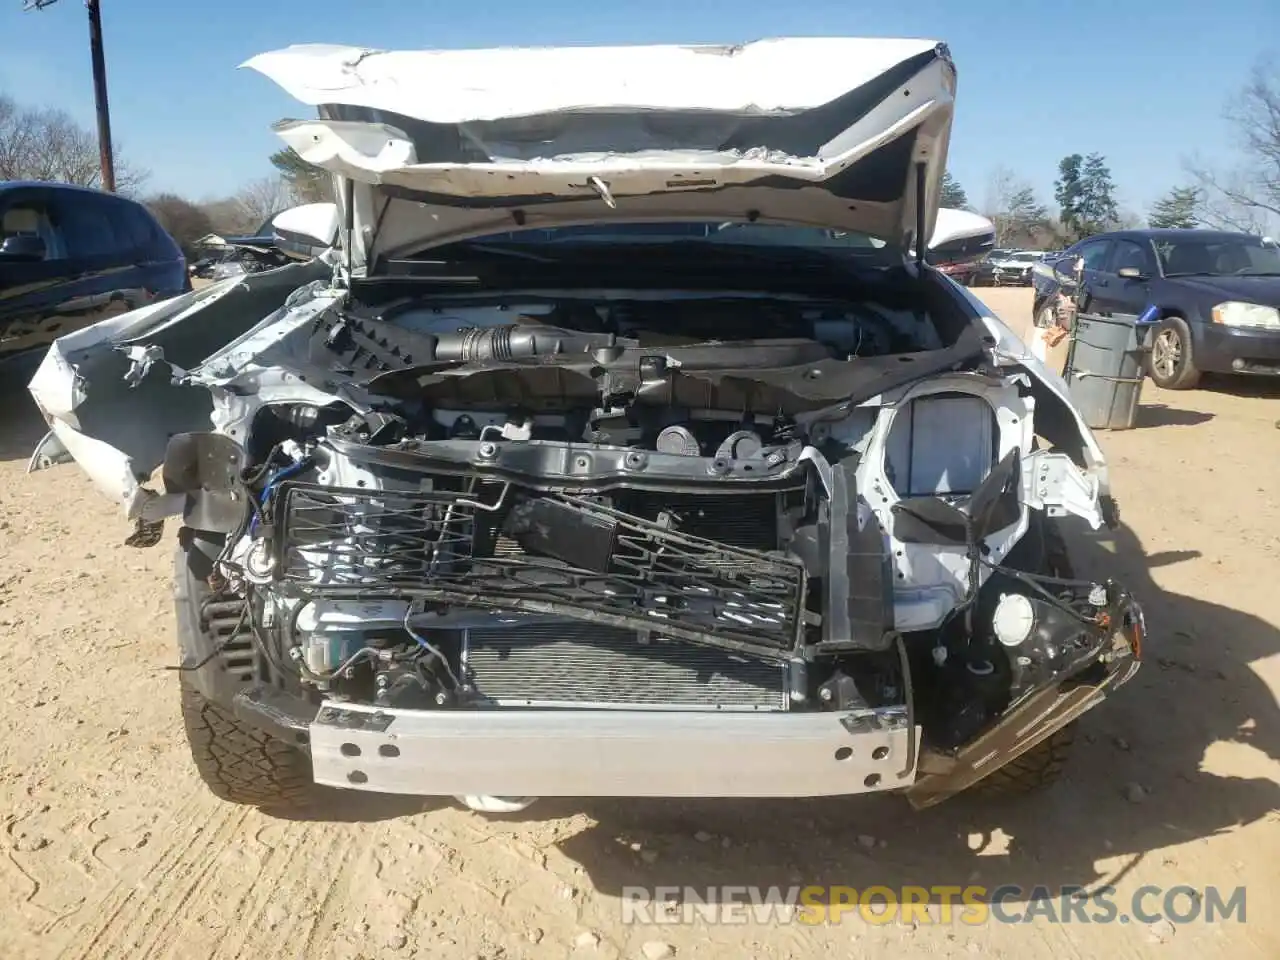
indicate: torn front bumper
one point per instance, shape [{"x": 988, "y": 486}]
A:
[
  {"x": 611, "y": 753},
  {"x": 1031, "y": 722}
]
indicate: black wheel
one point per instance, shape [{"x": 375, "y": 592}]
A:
[
  {"x": 1170, "y": 363},
  {"x": 1035, "y": 770},
  {"x": 238, "y": 762}
]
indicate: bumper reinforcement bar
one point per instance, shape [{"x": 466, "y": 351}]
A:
[{"x": 610, "y": 753}]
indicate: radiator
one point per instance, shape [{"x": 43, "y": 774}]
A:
[{"x": 576, "y": 664}]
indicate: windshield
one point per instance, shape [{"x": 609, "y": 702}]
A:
[
  {"x": 1219, "y": 257},
  {"x": 817, "y": 239}
]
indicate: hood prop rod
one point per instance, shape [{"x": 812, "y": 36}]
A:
[
  {"x": 921, "y": 239},
  {"x": 349, "y": 218}
]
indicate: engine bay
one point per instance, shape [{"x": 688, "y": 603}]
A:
[
  {"x": 616, "y": 505},
  {"x": 849, "y": 328}
]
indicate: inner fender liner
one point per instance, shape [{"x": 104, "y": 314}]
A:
[{"x": 206, "y": 467}]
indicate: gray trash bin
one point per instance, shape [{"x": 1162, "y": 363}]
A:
[{"x": 1105, "y": 367}]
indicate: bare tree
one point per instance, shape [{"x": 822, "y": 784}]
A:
[
  {"x": 250, "y": 208},
  {"x": 47, "y": 144},
  {"x": 1127, "y": 219},
  {"x": 1011, "y": 206},
  {"x": 262, "y": 199},
  {"x": 1247, "y": 195},
  {"x": 228, "y": 218},
  {"x": 1225, "y": 203},
  {"x": 181, "y": 219}
]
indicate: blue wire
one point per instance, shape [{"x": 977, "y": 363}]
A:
[{"x": 279, "y": 475}]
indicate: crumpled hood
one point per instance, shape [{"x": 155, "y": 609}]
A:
[{"x": 442, "y": 145}]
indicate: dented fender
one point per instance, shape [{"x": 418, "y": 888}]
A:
[{"x": 114, "y": 393}]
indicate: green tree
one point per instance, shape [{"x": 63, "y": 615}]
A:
[
  {"x": 1024, "y": 214},
  {"x": 1179, "y": 208},
  {"x": 953, "y": 194},
  {"x": 1068, "y": 192},
  {"x": 307, "y": 182},
  {"x": 1085, "y": 194},
  {"x": 1098, "y": 204}
]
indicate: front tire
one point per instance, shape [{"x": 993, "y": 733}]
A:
[
  {"x": 1037, "y": 769},
  {"x": 1041, "y": 550},
  {"x": 1171, "y": 364},
  {"x": 238, "y": 762}
]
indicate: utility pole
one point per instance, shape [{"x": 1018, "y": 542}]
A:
[{"x": 106, "y": 157}]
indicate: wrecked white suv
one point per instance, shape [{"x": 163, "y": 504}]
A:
[{"x": 624, "y": 444}]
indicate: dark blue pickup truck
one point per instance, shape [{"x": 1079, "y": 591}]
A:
[{"x": 71, "y": 256}]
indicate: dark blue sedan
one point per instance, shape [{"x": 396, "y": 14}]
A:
[{"x": 1216, "y": 296}]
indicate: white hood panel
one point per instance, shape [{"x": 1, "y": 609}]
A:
[
  {"x": 768, "y": 77},
  {"x": 469, "y": 137}
]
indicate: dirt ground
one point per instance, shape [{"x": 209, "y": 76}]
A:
[{"x": 111, "y": 848}]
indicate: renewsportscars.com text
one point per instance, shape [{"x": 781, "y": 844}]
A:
[{"x": 972, "y": 905}]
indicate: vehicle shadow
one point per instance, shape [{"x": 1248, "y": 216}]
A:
[
  {"x": 1161, "y": 415},
  {"x": 351, "y": 806},
  {"x": 1147, "y": 734},
  {"x": 21, "y": 425},
  {"x": 1251, "y": 387}
]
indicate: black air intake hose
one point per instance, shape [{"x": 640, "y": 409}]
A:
[
  {"x": 488, "y": 343},
  {"x": 514, "y": 342}
]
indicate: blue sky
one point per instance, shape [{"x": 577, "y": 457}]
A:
[{"x": 1141, "y": 81}]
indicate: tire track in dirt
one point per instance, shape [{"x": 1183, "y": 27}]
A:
[
  {"x": 246, "y": 906},
  {"x": 273, "y": 913},
  {"x": 239, "y": 885},
  {"x": 331, "y": 909},
  {"x": 165, "y": 886}
]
